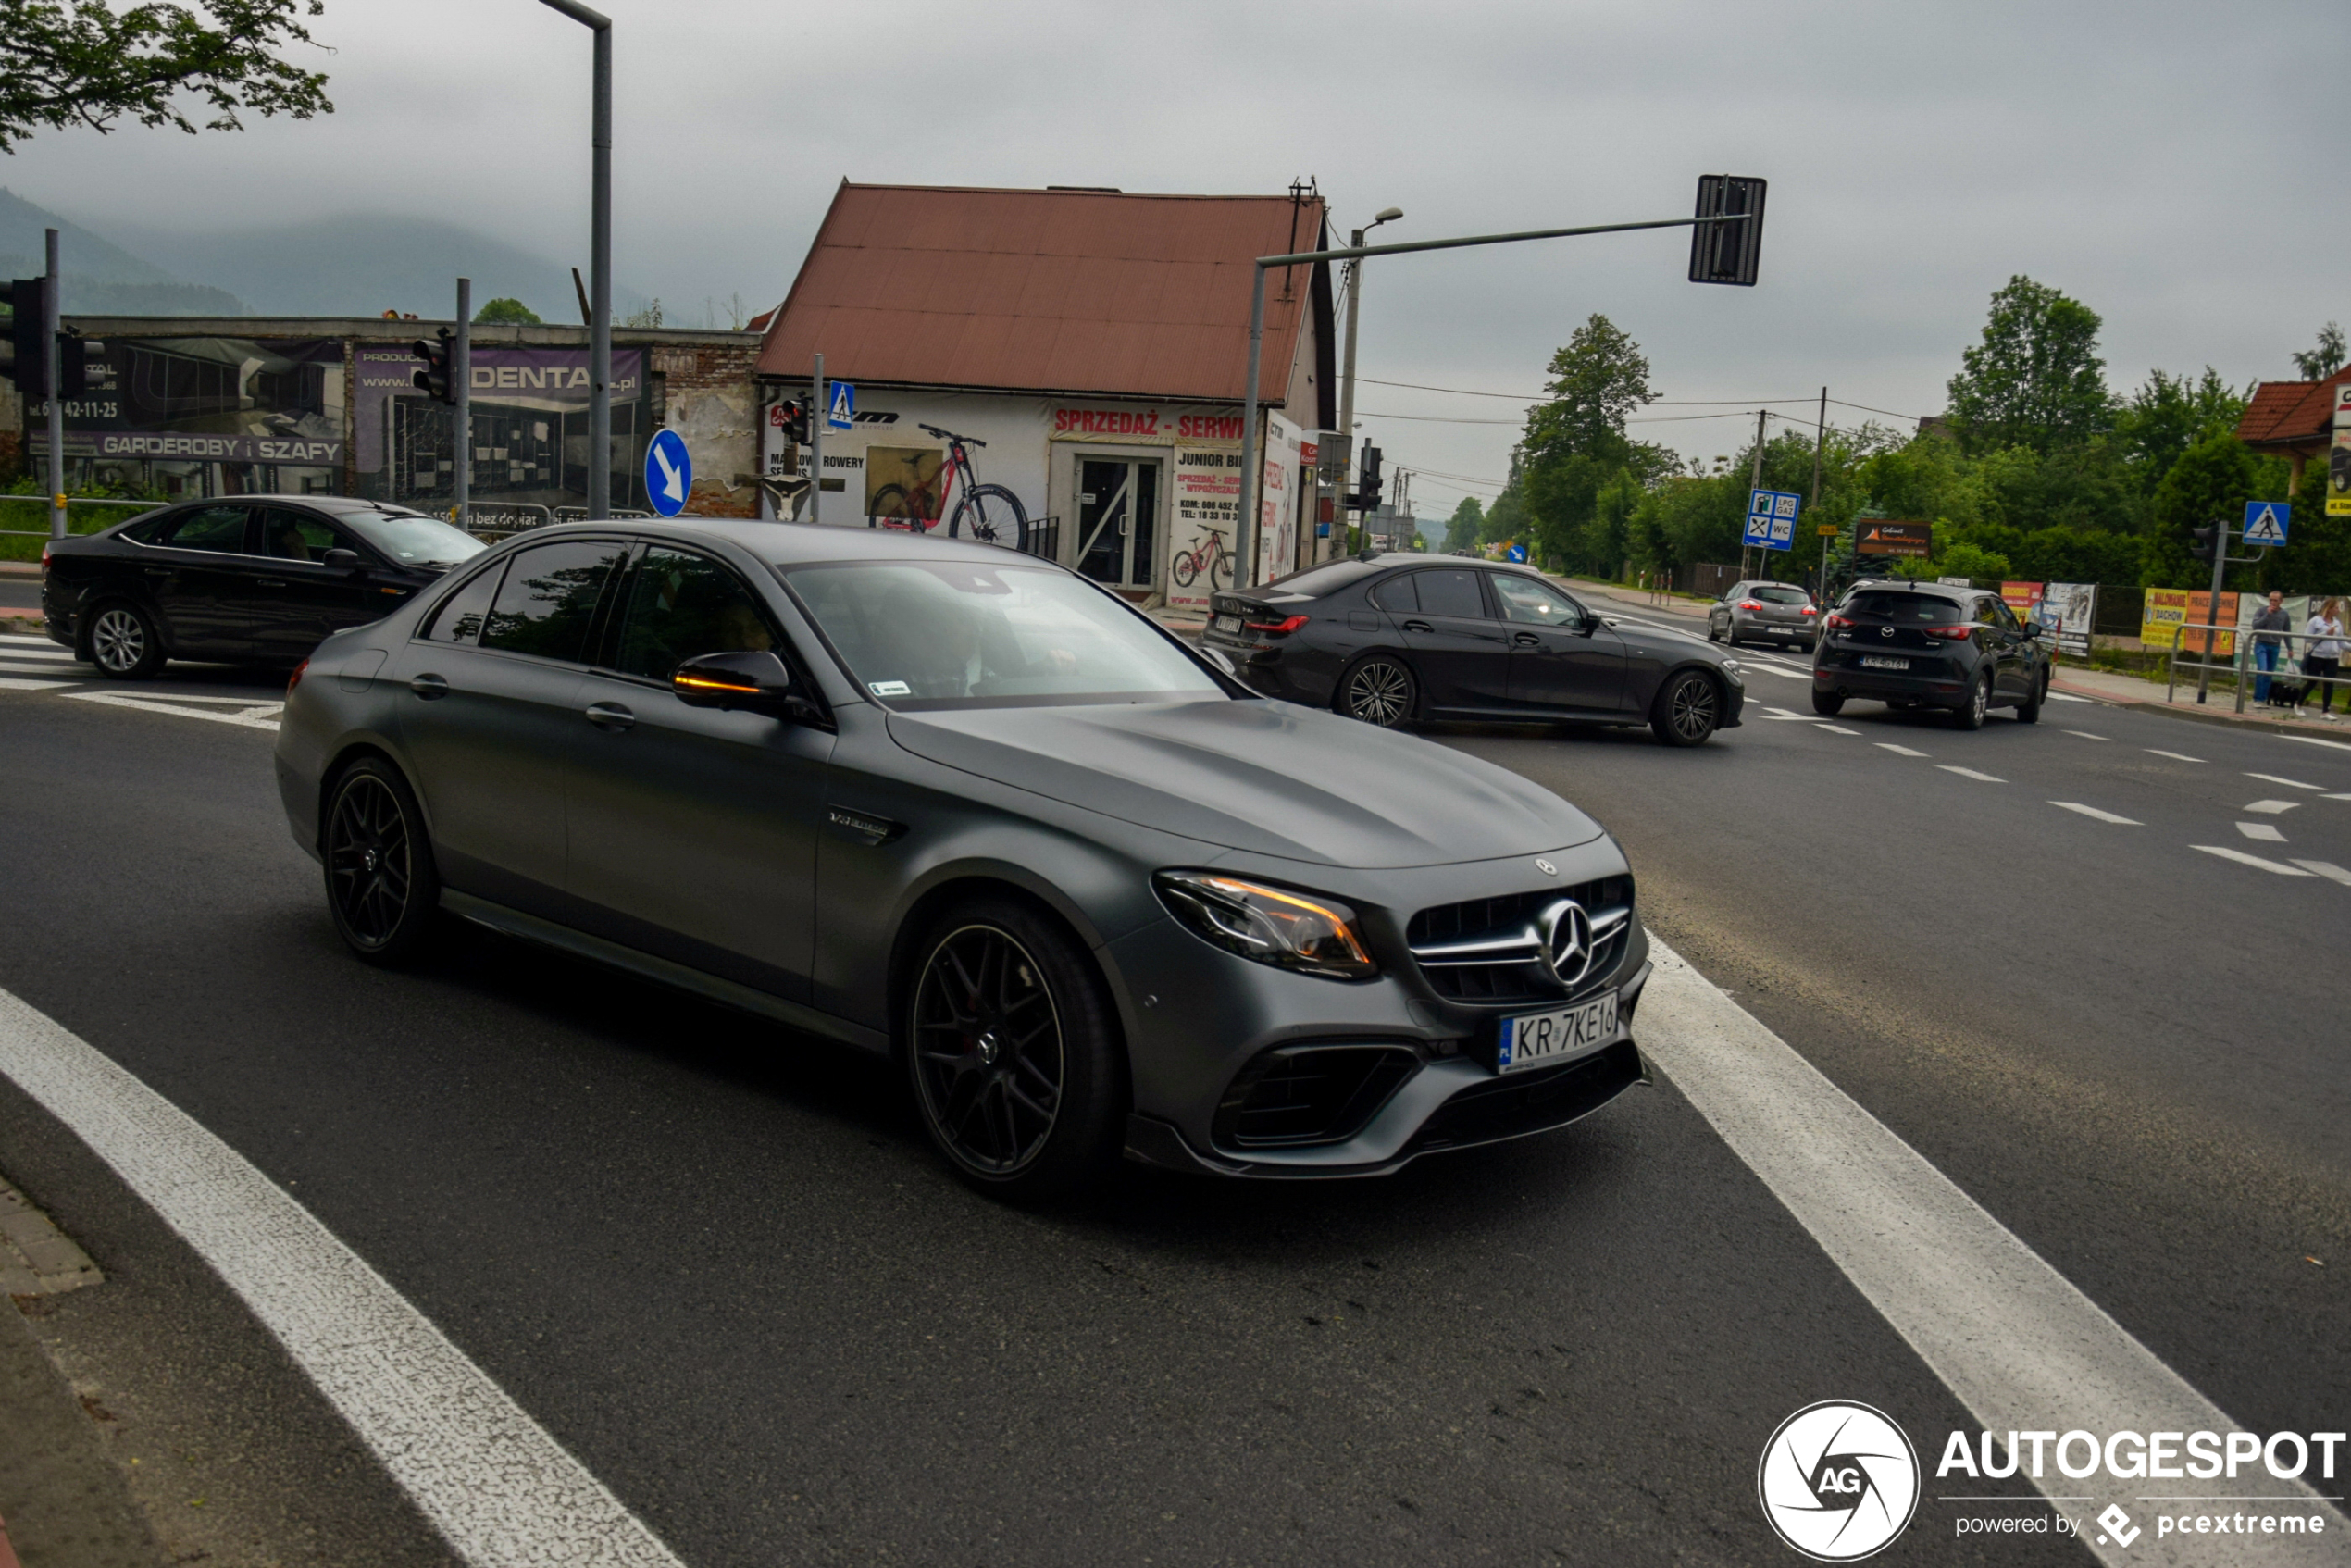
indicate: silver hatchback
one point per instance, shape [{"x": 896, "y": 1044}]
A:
[{"x": 1766, "y": 611}]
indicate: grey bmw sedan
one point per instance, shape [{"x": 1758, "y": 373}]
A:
[{"x": 967, "y": 810}]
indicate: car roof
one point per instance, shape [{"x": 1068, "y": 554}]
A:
[{"x": 789, "y": 544}]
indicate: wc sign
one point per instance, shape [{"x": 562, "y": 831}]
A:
[{"x": 2265, "y": 522}]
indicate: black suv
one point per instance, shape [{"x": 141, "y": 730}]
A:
[{"x": 1930, "y": 645}]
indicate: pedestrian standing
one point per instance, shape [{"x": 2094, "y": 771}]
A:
[
  {"x": 2272, "y": 619},
  {"x": 2324, "y": 661}
]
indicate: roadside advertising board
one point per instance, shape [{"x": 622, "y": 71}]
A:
[
  {"x": 2066, "y": 614},
  {"x": 1277, "y": 504},
  {"x": 1875, "y": 536},
  {"x": 2023, "y": 598},
  {"x": 2193, "y": 635},
  {"x": 2339, "y": 474},
  {"x": 2165, "y": 611},
  {"x": 1208, "y": 496}
]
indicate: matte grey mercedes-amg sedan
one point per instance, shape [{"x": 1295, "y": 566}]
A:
[{"x": 967, "y": 809}]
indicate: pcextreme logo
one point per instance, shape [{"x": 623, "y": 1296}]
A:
[{"x": 1839, "y": 1481}]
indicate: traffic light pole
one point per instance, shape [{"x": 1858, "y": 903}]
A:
[
  {"x": 816, "y": 412},
  {"x": 55, "y": 362},
  {"x": 461, "y": 393},
  {"x": 599, "y": 265},
  {"x": 1245, "y": 525}
]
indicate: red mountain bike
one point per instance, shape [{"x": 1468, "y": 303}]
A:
[
  {"x": 988, "y": 513},
  {"x": 1211, "y": 557}
]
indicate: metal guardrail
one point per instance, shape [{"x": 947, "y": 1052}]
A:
[
  {"x": 2242, "y": 667},
  {"x": 72, "y": 502}
]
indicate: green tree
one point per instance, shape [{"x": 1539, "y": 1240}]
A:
[
  {"x": 1461, "y": 529},
  {"x": 80, "y": 62},
  {"x": 2210, "y": 483},
  {"x": 2325, "y": 359},
  {"x": 2035, "y": 378},
  {"x": 507, "y": 312},
  {"x": 1575, "y": 442},
  {"x": 2169, "y": 414}
]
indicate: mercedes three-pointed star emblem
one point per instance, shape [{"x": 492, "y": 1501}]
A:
[{"x": 1566, "y": 931}]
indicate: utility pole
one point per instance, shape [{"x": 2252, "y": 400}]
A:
[
  {"x": 818, "y": 411},
  {"x": 1346, "y": 374},
  {"x": 50, "y": 308},
  {"x": 1820, "y": 443},
  {"x": 599, "y": 264},
  {"x": 1754, "y": 483},
  {"x": 461, "y": 384}
]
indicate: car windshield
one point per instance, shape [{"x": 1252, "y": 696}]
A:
[
  {"x": 1905, "y": 609},
  {"x": 1328, "y": 578},
  {"x": 413, "y": 541},
  {"x": 922, "y": 635},
  {"x": 1780, "y": 595}
]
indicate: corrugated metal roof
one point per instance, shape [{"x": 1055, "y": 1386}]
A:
[
  {"x": 1046, "y": 291},
  {"x": 2289, "y": 412}
]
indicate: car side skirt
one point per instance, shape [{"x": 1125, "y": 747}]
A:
[{"x": 729, "y": 993}]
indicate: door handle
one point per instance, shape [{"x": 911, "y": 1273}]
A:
[
  {"x": 1418, "y": 625},
  {"x": 271, "y": 581},
  {"x": 1527, "y": 639},
  {"x": 610, "y": 715},
  {"x": 429, "y": 686},
  {"x": 158, "y": 571}
]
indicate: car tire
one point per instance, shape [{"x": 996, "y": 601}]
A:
[
  {"x": 123, "y": 642},
  {"x": 1971, "y": 714},
  {"x": 1012, "y": 1053},
  {"x": 1688, "y": 709},
  {"x": 1828, "y": 704},
  {"x": 382, "y": 888},
  {"x": 1713, "y": 633},
  {"x": 1379, "y": 690},
  {"x": 2029, "y": 710}
]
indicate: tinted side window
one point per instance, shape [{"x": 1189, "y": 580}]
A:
[
  {"x": 1450, "y": 594},
  {"x": 1989, "y": 611},
  {"x": 1524, "y": 599},
  {"x": 548, "y": 599},
  {"x": 209, "y": 528},
  {"x": 1396, "y": 594},
  {"x": 297, "y": 536},
  {"x": 460, "y": 617},
  {"x": 681, "y": 606}
]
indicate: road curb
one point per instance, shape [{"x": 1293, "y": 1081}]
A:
[
  {"x": 2195, "y": 716},
  {"x": 61, "y": 1497}
]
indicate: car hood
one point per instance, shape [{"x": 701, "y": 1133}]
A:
[{"x": 1267, "y": 778}]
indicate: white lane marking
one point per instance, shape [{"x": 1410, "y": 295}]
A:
[
  {"x": 14, "y": 666},
  {"x": 14, "y": 685},
  {"x": 2327, "y": 869},
  {"x": 2066, "y": 697},
  {"x": 2085, "y": 735},
  {"x": 44, "y": 652},
  {"x": 1900, "y": 750},
  {"x": 1774, "y": 669},
  {"x": 2244, "y": 859},
  {"x": 2314, "y": 740},
  {"x": 1836, "y": 729},
  {"x": 2272, "y": 808},
  {"x": 2016, "y": 1341},
  {"x": 2263, "y": 831},
  {"x": 273, "y": 705},
  {"x": 2092, "y": 811},
  {"x": 2175, "y": 756},
  {"x": 1970, "y": 773},
  {"x": 496, "y": 1483},
  {"x": 2347, "y": 797},
  {"x": 253, "y": 717},
  {"x": 2289, "y": 783}
]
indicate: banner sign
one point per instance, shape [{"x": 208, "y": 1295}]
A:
[
  {"x": 208, "y": 400},
  {"x": 1277, "y": 504},
  {"x": 2166, "y": 610},
  {"x": 2066, "y": 613},
  {"x": 2339, "y": 475},
  {"x": 2193, "y": 635},
  {"x": 1874, "y": 536},
  {"x": 2024, "y": 598},
  {"x": 1207, "y": 497}
]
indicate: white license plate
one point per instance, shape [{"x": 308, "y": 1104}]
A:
[
  {"x": 1879, "y": 661},
  {"x": 1537, "y": 1039},
  {"x": 1228, "y": 623}
]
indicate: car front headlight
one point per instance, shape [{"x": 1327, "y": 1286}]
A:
[
  {"x": 1307, "y": 932},
  {"x": 1735, "y": 670}
]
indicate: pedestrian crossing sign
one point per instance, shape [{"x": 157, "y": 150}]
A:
[{"x": 2265, "y": 522}]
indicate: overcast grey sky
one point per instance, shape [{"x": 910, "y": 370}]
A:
[{"x": 2168, "y": 164}]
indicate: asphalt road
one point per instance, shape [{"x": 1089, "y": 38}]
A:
[{"x": 717, "y": 1262}]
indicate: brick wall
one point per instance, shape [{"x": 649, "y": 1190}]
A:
[{"x": 713, "y": 403}]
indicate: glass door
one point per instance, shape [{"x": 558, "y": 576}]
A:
[{"x": 1117, "y": 520}]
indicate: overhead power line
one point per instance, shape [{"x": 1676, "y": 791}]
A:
[{"x": 1749, "y": 403}]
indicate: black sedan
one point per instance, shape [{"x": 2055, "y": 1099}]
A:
[
  {"x": 1930, "y": 646},
  {"x": 256, "y": 579},
  {"x": 1390, "y": 638}
]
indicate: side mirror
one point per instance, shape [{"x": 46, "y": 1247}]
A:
[
  {"x": 758, "y": 683},
  {"x": 341, "y": 560},
  {"x": 2032, "y": 628}
]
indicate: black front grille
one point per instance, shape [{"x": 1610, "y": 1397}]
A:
[
  {"x": 1515, "y": 979},
  {"x": 1300, "y": 1094},
  {"x": 1511, "y": 1107}
]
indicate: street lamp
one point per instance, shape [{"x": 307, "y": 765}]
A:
[
  {"x": 599, "y": 265},
  {"x": 1347, "y": 378}
]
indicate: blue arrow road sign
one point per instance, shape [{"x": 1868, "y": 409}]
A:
[
  {"x": 670, "y": 473},
  {"x": 1770, "y": 518},
  {"x": 2265, "y": 521},
  {"x": 842, "y": 412}
]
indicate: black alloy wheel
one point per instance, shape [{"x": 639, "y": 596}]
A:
[
  {"x": 1379, "y": 690},
  {"x": 1971, "y": 715},
  {"x": 123, "y": 643},
  {"x": 381, "y": 886},
  {"x": 1011, "y": 1049},
  {"x": 1687, "y": 710}
]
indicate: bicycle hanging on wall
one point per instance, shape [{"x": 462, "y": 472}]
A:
[{"x": 988, "y": 513}]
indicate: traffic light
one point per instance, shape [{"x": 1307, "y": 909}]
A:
[
  {"x": 29, "y": 297},
  {"x": 796, "y": 422},
  {"x": 434, "y": 377},
  {"x": 2204, "y": 541},
  {"x": 1367, "y": 483},
  {"x": 1727, "y": 253}
]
